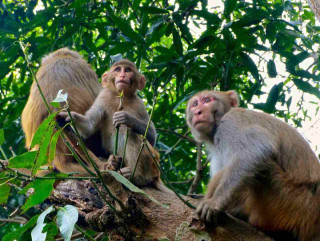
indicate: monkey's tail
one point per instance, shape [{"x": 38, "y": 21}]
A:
[{"x": 161, "y": 187}]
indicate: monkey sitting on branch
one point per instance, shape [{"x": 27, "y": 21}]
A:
[
  {"x": 262, "y": 168},
  {"x": 104, "y": 115}
]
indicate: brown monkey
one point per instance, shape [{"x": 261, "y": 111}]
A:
[
  {"x": 67, "y": 70},
  {"x": 262, "y": 168},
  {"x": 104, "y": 116}
]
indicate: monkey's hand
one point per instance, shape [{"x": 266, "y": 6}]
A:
[
  {"x": 123, "y": 118},
  {"x": 113, "y": 163},
  {"x": 64, "y": 115},
  {"x": 126, "y": 172},
  {"x": 208, "y": 211}
]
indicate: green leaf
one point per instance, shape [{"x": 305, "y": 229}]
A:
[
  {"x": 37, "y": 234},
  {"x": 229, "y": 7},
  {"x": 296, "y": 59},
  {"x": 125, "y": 27},
  {"x": 15, "y": 235},
  {"x": 53, "y": 144},
  {"x": 42, "y": 158},
  {"x": 306, "y": 87},
  {"x": 25, "y": 160},
  {"x": 1, "y": 137},
  {"x": 66, "y": 219},
  {"x": 273, "y": 97},
  {"x": 51, "y": 230},
  {"x": 272, "y": 70},
  {"x": 249, "y": 63},
  {"x": 42, "y": 189},
  {"x": 132, "y": 187},
  {"x": 60, "y": 98},
  {"x": 41, "y": 131},
  {"x": 211, "y": 18},
  {"x": 177, "y": 41},
  {"x": 4, "y": 193},
  {"x": 153, "y": 10}
]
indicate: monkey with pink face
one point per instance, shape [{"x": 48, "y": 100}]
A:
[{"x": 262, "y": 168}]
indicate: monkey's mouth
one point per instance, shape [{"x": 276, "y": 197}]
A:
[
  {"x": 122, "y": 82},
  {"x": 199, "y": 122}
]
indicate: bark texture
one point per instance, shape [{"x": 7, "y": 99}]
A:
[{"x": 142, "y": 219}]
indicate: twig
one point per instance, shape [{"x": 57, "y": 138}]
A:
[
  {"x": 14, "y": 220},
  {"x": 177, "y": 134},
  {"x": 99, "y": 236},
  {"x": 174, "y": 146},
  {"x": 199, "y": 173}
]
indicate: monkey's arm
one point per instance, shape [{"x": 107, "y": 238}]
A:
[
  {"x": 252, "y": 160},
  {"x": 86, "y": 124},
  {"x": 139, "y": 126}
]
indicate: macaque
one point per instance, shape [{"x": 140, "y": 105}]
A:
[
  {"x": 262, "y": 168},
  {"x": 63, "y": 69},
  {"x": 104, "y": 115}
]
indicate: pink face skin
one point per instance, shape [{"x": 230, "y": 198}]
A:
[
  {"x": 201, "y": 108},
  {"x": 123, "y": 75}
]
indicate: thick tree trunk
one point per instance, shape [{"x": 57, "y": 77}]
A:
[{"x": 142, "y": 219}]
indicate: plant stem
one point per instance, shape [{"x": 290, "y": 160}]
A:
[
  {"x": 3, "y": 153},
  {"x": 84, "y": 233},
  {"x": 23, "y": 47},
  {"x": 144, "y": 139},
  {"x": 125, "y": 147},
  {"x": 115, "y": 152}
]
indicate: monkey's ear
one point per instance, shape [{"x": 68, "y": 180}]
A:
[
  {"x": 104, "y": 79},
  {"x": 141, "y": 82},
  {"x": 234, "y": 99}
]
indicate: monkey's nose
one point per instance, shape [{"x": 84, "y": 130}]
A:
[{"x": 199, "y": 112}]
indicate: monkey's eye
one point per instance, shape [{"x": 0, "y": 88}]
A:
[
  {"x": 128, "y": 69},
  {"x": 195, "y": 103},
  {"x": 117, "y": 69},
  {"x": 206, "y": 100}
]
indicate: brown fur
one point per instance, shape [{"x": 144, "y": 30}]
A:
[
  {"x": 67, "y": 70},
  {"x": 263, "y": 168}
]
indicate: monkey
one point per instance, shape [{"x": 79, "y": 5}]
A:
[
  {"x": 262, "y": 168},
  {"x": 63, "y": 69},
  {"x": 104, "y": 115}
]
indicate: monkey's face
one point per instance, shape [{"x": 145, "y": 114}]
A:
[
  {"x": 123, "y": 76},
  {"x": 205, "y": 110},
  {"x": 200, "y": 112}
]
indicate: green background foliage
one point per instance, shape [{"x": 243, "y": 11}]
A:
[{"x": 180, "y": 46}]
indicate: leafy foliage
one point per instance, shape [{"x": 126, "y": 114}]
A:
[{"x": 180, "y": 46}]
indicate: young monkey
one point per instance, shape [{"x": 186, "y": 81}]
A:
[
  {"x": 105, "y": 116},
  {"x": 262, "y": 168}
]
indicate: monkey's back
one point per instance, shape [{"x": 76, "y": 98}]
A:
[
  {"x": 295, "y": 150},
  {"x": 62, "y": 69}
]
